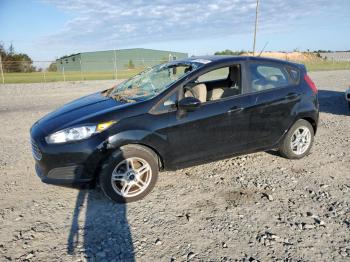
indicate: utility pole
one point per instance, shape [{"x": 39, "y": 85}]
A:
[
  {"x": 2, "y": 71},
  {"x": 256, "y": 25}
]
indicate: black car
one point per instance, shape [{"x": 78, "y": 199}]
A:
[{"x": 174, "y": 115}]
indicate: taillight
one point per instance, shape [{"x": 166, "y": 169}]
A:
[{"x": 311, "y": 84}]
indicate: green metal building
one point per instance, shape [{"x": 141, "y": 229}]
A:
[{"x": 113, "y": 60}]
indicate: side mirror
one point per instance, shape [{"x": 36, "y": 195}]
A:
[{"x": 189, "y": 104}]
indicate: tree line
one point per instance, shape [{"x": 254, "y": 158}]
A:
[
  {"x": 15, "y": 62},
  {"x": 229, "y": 52}
]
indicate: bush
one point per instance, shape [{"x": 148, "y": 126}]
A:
[
  {"x": 229, "y": 52},
  {"x": 131, "y": 65},
  {"x": 52, "y": 67}
]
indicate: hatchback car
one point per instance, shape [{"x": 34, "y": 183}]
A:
[{"x": 174, "y": 115}]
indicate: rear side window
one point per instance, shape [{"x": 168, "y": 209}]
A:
[
  {"x": 218, "y": 74},
  {"x": 264, "y": 77},
  {"x": 294, "y": 75}
]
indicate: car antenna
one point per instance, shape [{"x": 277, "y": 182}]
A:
[{"x": 262, "y": 50}]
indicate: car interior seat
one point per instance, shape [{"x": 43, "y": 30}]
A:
[
  {"x": 233, "y": 86},
  {"x": 200, "y": 92}
]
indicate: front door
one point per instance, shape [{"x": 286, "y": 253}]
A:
[
  {"x": 214, "y": 130},
  {"x": 219, "y": 127}
]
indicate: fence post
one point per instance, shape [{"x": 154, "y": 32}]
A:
[
  {"x": 44, "y": 75},
  {"x": 81, "y": 70},
  {"x": 2, "y": 71},
  {"x": 116, "y": 71},
  {"x": 64, "y": 76},
  {"x": 115, "y": 65}
]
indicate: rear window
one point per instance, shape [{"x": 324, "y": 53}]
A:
[{"x": 267, "y": 76}]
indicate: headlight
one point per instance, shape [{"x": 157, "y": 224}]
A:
[{"x": 77, "y": 133}]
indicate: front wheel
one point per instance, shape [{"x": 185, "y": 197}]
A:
[
  {"x": 129, "y": 174},
  {"x": 298, "y": 141}
]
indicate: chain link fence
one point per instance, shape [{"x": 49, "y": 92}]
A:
[{"x": 51, "y": 71}]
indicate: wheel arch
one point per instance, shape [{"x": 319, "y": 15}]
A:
[
  {"x": 307, "y": 117},
  {"x": 154, "y": 142},
  {"x": 312, "y": 121},
  {"x": 149, "y": 148}
]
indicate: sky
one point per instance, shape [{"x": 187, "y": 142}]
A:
[{"x": 48, "y": 29}]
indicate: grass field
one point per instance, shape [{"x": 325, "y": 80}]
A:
[
  {"x": 327, "y": 65},
  {"x": 37, "y": 77}
]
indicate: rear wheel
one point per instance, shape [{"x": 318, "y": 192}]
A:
[
  {"x": 129, "y": 174},
  {"x": 298, "y": 141}
]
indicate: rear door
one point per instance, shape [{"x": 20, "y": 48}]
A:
[{"x": 275, "y": 93}]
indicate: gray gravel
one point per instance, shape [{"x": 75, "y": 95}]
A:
[{"x": 258, "y": 207}]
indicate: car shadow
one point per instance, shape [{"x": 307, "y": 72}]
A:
[
  {"x": 104, "y": 232},
  {"x": 333, "y": 102}
]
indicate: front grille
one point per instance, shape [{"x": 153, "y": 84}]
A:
[{"x": 36, "y": 151}]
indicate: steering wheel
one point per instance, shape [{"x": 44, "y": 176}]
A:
[{"x": 189, "y": 89}]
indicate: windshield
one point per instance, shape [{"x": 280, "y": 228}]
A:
[{"x": 152, "y": 82}]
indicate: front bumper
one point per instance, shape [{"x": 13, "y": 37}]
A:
[
  {"x": 68, "y": 176},
  {"x": 68, "y": 164}
]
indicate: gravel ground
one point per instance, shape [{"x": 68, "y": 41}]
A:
[{"x": 254, "y": 207}]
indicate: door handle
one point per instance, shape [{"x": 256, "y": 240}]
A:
[
  {"x": 235, "y": 109},
  {"x": 292, "y": 96}
]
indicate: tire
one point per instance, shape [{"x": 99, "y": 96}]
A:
[
  {"x": 296, "y": 144},
  {"x": 121, "y": 174}
]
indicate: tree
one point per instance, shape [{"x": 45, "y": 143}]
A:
[
  {"x": 11, "y": 49},
  {"x": 229, "y": 52},
  {"x": 15, "y": 62},
  {"x": 52, "y": 67},
  {"x": 2, "y": 49},
  {"x": 131, "y": 65}
]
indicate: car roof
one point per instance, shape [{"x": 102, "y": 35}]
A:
[{"x": 228, "y": 58}]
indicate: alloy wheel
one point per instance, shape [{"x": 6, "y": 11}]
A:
[
  {"x": 131, "y": 177},
  {"x": 301, "y": 140}
]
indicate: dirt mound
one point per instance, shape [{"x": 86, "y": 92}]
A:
[{"x": 292, "y": 56}]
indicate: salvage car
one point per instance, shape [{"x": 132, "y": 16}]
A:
[{"x": 174, "y": 115}]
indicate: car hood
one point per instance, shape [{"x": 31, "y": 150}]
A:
[{"x": 78, "y": 111}]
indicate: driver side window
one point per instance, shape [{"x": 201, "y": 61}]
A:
[
  {"x": 216, "y": 84},
  {"x": 214, "y": 75}
]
